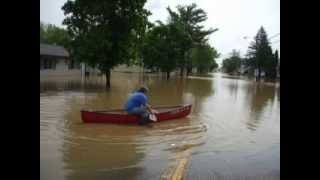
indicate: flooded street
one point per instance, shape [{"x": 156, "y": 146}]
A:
[{"x": 233, "y": 131}]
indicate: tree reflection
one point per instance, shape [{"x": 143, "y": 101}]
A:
[
  {"x": 200, "y": 89},
  {"x": 166, "y": 92},
  {"x": 233, "y": 86},
  {"x": 70, "y": 85},
  {"x": 258, "y": 97}
]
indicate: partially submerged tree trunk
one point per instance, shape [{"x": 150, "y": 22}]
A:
[
  {"x": 189, "y": 70},
  {"x": 200, "y": 70},
  {"x": 181, "y": 71},
  {"x": 108, "y": 76},
  {"x": 168, "y": 75}
]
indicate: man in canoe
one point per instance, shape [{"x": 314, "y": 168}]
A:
[{"x": 138, "y": 104}]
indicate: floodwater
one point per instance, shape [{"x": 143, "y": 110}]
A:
[{"x": 233, "y": 131}]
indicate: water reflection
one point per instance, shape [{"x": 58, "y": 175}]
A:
[
  {"x": 233, "y": 87},
  {"x": 99, "y": 151},
  {"x": 163, "y": 92},
  {"x": 199, "y": 89},
  {"x": 69, "y": 85},
  {"x": 216, "y": 136},
  {"x": 258, "y": 96},
  {"x": 179, "y": 91}
]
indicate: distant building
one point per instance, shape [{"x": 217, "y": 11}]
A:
[
  {"x": 55, "y": 61},
  {"x": 244, "y": 69}
]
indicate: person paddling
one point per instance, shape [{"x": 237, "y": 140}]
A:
[{"x": 138, "y": 104}]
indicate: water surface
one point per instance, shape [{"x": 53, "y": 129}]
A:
[{"x": 232, "y": 132}]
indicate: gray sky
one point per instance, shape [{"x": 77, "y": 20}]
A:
[{"x": 235, "y": 19}]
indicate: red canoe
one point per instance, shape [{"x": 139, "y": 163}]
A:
[{"x": 121, "y": 117}]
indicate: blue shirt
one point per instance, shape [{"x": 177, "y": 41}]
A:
[{"x": 136, "y": 100}]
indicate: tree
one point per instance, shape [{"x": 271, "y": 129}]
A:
[
  {"x": 233, "y": 63},
  {"x": 51, "y": 34},
  {"x": 188, "y": 18},
  {"x": 260, "y": 55},
  {"x": 105, "y": 33},
  {"x": 160, "y": 49},
  {"x": 214, "y": 66},
  {"x": 203, "y": 57},
  {"x": 42, "y": 32},
  {"x": 273, "y": 65},
  {"x": 278, "y": 68}
]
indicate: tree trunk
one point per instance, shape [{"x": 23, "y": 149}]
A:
[
  {"x": 181, "y": 71},
  {"x": 259, "y": 74},
  {"x": 189, "y": 71},
  {"x": 108, "y": 75},
  {"x": 168, "y": 75}
]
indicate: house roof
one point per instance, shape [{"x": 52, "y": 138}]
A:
[{"x": 53, "y": 50}]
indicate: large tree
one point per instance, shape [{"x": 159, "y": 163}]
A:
[
  {"x": 260, "y": 56},
  {"x": 105, "y": 33},
  {"x": 161, "y": 49},
  {"x": 189, "y": 18}
]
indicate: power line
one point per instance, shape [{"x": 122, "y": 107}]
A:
[
  {"x": 274, "y": 36},
  {"x": 247, "y": 37}
]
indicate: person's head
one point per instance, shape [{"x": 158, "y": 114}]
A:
[{"x": 143, "y": 89}]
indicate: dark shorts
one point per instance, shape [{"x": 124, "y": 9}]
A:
[{"x": 142, "y": 111}]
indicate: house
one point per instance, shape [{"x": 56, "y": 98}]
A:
[{"x": 55, "y": 62}]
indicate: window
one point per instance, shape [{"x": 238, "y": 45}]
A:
[{"x": 47, "y": 63}]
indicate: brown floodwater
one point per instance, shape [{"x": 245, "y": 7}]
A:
[{"x": 233, "y": 131}]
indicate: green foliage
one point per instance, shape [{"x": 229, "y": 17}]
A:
[
  {"x": 260, "y": 55},
  {"x": 232, "y": 64},
  {"x": 105, "y": 33},
  {"x": 203, "y": 57},
  {"x": 161, "y": 48},
  {"x": 51, "y": 34},
  {"x": 42, "y": 33},
  {"x": 180, "y": 43},
  {"x": 214, "y": 66},
  {"x": 188, "y": 19},
  {"x": 271, "y": 66}
]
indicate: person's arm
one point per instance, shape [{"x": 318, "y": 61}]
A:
[{"x": 149, "y": 108}]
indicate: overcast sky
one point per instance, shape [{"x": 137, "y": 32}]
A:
[{"x": 235, "y": 19}]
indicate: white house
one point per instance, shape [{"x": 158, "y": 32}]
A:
[{"x": 55, "y": 62}]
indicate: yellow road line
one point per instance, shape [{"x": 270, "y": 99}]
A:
[{"x": 177, "y": 172}]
